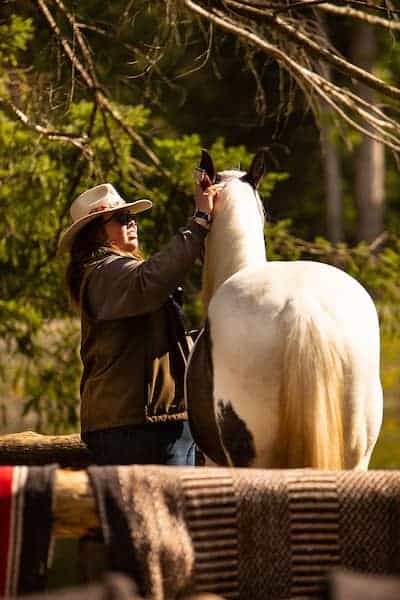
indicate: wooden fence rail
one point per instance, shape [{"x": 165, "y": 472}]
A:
[
  {"x": 29, "y": 448},
  {"x": 75, "y": 512}
]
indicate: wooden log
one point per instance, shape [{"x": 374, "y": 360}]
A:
[
  {"x": 30, "y": 448},
  {"x": 75, "y": 511}
]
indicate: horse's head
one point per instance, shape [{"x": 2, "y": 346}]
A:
[
  {"x": 239, "y": 194},
  {"x": 253, "y": 176},
  {"x": 236, "y": 238}
]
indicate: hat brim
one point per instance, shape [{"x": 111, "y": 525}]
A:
[{"x": 69, "y": 234}]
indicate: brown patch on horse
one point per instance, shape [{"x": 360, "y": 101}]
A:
[
  {"x": 200, "y": 399},
  {"x": 236, "y": 437}
]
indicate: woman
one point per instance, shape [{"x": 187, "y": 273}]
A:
[{"x": 133, "y": 345}]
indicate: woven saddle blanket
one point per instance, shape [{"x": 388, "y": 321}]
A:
[
  {"x": 26, "y": 498},
  {"x": 248, "y": 534}
]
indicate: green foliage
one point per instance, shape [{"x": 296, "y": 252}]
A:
[
  {"x": 386, "y": 454},
  {"x": 387, "y": 451},
  {"x": 18, "y": 324},
  {"x": 51, "y": 380},
  {"x": 14, "y": 37}
]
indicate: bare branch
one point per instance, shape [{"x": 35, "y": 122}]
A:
[
  {"x": 347, "y": 11},
  {"x": 343, "y": 65},
  {"x": 91, "y": 83},
  {"x": 325, "y": 93},
  {"x": 79, "y": 141},
  {"x": 364, "y": 117},
  {"x": 65, "y": 44},
  {"x": 280, "y": 7},
  {"x": 205, "y": 56}
]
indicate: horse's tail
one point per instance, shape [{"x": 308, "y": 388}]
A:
[{"x": 312, "y": 388}]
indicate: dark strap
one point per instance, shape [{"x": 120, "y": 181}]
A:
[
  {"x": 177, "y": 342},
  {"x": 114, "y": 522},
  {"x": 37, "y": 527}
]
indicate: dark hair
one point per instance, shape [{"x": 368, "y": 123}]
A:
[{"x": 85, "y": 247}]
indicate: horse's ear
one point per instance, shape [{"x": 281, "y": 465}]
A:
[
  {"x": 206, "y": 163},
  {"x": 258, "y": 168}
]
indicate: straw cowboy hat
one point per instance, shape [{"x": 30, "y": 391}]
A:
[{"x": 99, "y": 200}]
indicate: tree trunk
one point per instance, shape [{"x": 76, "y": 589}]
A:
[
  {"x": 370, "y": 157},
  {"x": 333, "y": 187},
  {"x": 331, "y": 161}
]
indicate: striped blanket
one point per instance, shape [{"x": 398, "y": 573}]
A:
[
  {"x": 25, "y": 527},
  {"x": 247, "y": 534}
]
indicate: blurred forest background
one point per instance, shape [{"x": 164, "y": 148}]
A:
[{"x": 129, "y": 92}]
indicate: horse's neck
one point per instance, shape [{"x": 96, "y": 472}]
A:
[{"x": 236, "y": 241}]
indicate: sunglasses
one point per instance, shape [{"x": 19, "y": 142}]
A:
[{"x": 123, "y": 218}]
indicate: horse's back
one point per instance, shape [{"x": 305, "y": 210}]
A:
[{"x": 250, "y": 304}]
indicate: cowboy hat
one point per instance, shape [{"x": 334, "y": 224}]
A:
[{"x": 99, "y": 200}]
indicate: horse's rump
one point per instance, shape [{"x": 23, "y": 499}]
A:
[{"x": 285, "y": 343}]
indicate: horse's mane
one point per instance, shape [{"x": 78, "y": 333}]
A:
[
  {"x": 247, "y": 194},
  {"x": 239, "y": 218}
]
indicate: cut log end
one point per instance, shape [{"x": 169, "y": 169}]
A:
[{"x": 75, "y": 511}]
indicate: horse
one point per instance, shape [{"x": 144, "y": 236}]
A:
[{"x": 285, "y": 372}]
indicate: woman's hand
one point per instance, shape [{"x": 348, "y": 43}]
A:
[{"x": 206, "y": 195}]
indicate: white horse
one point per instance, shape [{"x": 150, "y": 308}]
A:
[{"x": 286, "y": 371}]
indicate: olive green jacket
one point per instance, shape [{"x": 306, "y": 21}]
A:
[{"x": 126, "y": 346}]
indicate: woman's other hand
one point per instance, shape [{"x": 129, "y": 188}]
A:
[{"x": 206, "y": 194}]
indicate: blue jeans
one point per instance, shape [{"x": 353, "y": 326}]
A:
[{"x": 153, "y": 443}]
